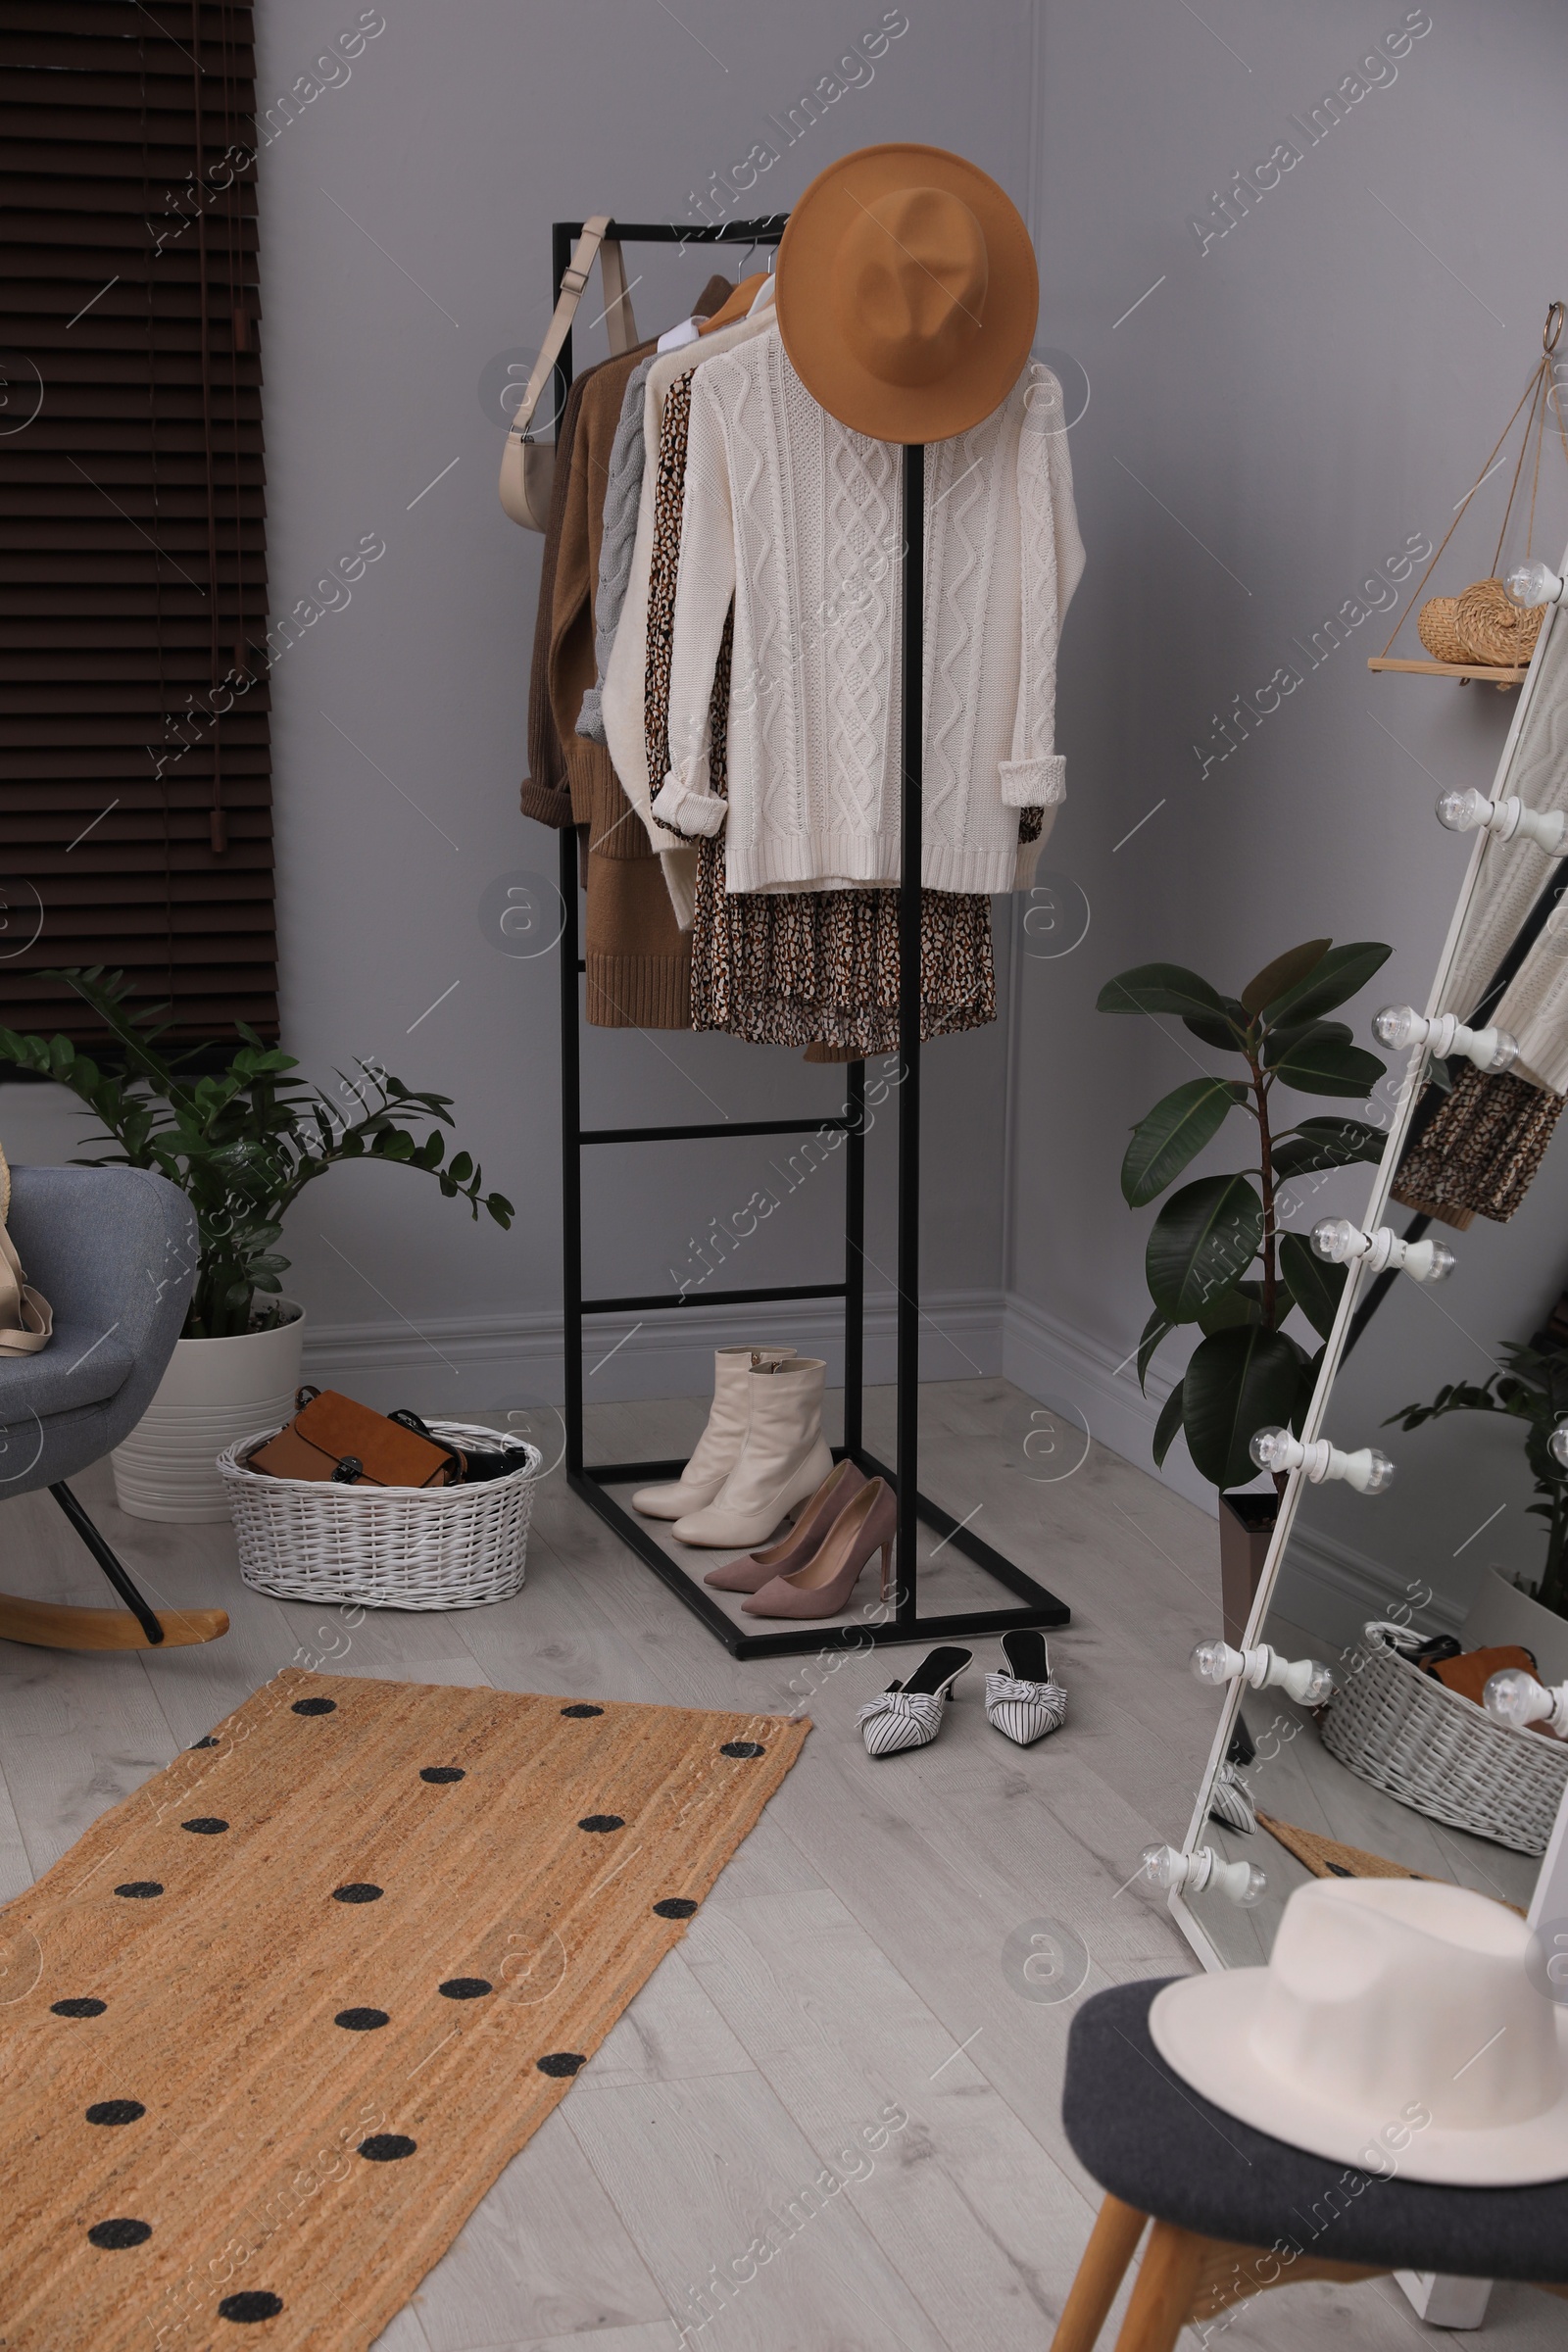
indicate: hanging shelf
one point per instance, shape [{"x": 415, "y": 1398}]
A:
[{"x": 1442, "y": 626}]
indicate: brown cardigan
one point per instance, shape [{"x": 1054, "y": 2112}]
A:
[{"x": 638, "y": 960}]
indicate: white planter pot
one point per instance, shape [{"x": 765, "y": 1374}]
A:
[
  {"x": 213, "y": 1392},
  {"x": 1502, "y": 1614}
]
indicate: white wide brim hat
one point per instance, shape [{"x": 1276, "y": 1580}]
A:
[{"x": 1402, "y": 2027}]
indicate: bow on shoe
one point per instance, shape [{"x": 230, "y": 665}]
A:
[
  {"x": 897, "y": 1719},
  {"x": 1024, "y": 1711}
]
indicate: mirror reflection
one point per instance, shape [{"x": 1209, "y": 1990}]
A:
[{"x": 1398, "y": 1704}]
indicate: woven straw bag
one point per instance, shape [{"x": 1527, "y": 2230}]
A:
[
  {"x": 1437, "y": 629},
  {"x": 1494, "y": 627},
  {"x": 383, "y": 1547},
  {"x": 1440, "y": 1753}
]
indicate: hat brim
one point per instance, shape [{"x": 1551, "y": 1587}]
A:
[
  {"x": 808, "y": 258},
  {"x": 1202, "y": 2027}
]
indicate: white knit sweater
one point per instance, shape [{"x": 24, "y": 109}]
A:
[{"x": 799, "y": 519}]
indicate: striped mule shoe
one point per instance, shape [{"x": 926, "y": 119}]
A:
[
  {"x": 910, "y": 1714},
  {"x": 1024, "y": 1703}
]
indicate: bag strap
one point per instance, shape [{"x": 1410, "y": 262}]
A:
[{"x": 618, "y": 317}]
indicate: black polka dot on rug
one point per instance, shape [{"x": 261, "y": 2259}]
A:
[
  {"x": 385, "y": 2147},
  {"x": 112, "y": 2236},
  {"x": 675, "y": 1906},
  {"x": 580, "y": 1712},
  {"x": 140, "y": 1889},
  {"x": 205, "y": 1825},
  {"x": 743, "y": 1748},
  {"x": 561, "y": 2062},
  {"x": 309, "y": 1706},
  {"x": 601, "y": 1821},
  {"x": 209, "y": 1741},
  {"x": 358, "y": 1891},
  {"x": 360, "y": 2021},
  {"x": 439, "y": 1773},
  {"x": 467, "y": 1988},
  {"x": 81, "y": 2005},
  {"x": 116, "y": 2111},
  {"x": 256, "y": 2303}
]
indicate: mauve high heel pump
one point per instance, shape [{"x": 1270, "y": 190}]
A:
[
  {"x": 822, "y": 1587},
  {"x": 759, "y": 1568}
]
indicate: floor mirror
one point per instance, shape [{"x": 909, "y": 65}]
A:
[{"x": 1424, "y": 1508}]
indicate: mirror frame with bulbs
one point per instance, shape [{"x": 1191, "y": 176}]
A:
[{"x": 1312, "y": 1457}]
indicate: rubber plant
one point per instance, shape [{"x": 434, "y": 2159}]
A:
[
  {"x": 242, "y": 1145},
  {"x": 1533, "y": 1387},
  {"x": 1216, "y": 1255}
]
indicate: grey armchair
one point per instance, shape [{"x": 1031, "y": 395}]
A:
[{"x": 114, "y": 1251}]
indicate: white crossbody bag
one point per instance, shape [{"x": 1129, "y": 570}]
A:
[{"x": 528, "y": 467}]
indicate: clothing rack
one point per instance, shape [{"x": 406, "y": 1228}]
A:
[{"x": 1032, "y": 1604}]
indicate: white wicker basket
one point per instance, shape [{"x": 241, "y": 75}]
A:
[
  {"x": 1440, "y": 1753},
  {"x": 384, "y": 1547}
]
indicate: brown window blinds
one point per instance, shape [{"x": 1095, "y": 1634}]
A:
[{"x": 135, "y": 805}]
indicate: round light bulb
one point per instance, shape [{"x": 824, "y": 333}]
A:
[
  {"x": 1214, "y": 1662},
  {"x": 1462, "y": 811},
  {"x": 1513, "y": 1697},
  {"x": 1256, "y": 1889},
  {"x": 1164, "y": 1865},
  {"x": 1505, "y": 1054},
  {"x": 1380, "y": 1474},
  {"x": 1530, "y": 584},
  {"x": 1557, "y": 1444},
  {"x": 1269, "y": 1447},
  {"x": 1442, "y": 1265},
  {"x": 1319, "y": 1686},
  {"x": 1395, "y": 1026},
  {"x": 1338, "y": 1239}
]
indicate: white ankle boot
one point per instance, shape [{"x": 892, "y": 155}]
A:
[
  {"x": 719, "y": 1448},
  {"x": 782, "y": 1461}
]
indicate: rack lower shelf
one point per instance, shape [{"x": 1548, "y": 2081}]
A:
[{"x": 1034, "y": 1606}]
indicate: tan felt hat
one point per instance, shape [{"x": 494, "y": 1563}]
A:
[{"x": 908, "y": 293}]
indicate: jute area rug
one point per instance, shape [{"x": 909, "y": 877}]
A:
[{"x": 274, "y": 2026}]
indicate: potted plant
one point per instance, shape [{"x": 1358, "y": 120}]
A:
[
  {"x": 1532, "y": 1387},
  {"x": 1216, "y": 1255},
  {"x": 241, "y": 1145}
]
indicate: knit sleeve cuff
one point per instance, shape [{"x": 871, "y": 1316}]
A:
[
  {"x": 1034, "y": 783},
  {"x": 684, "y": 802},
  {"x": 591, "y": 717}
]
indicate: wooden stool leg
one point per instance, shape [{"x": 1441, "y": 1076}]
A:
[
  {"x": 1163, "y": 2299},
  {"x": 1111, "y": 2246}
]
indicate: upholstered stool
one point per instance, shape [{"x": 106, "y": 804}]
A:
[{"x": 1235, "y": 2212}]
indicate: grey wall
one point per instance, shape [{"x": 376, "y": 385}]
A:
[{"x": 1286, "y": 409}]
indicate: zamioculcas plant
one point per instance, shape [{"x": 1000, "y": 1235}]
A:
[
  {"x": 1216, "y": 1255},
  {"x": 1534, "y": 1388}
]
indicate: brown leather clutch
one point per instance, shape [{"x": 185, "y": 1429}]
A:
[
  {"x": 333, "y": 1439},
  {"x": 1470, "y": 1673}
]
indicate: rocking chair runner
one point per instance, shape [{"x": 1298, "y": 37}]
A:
[{"x": 114, "y": 1251}]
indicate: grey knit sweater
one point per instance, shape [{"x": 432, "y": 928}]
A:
[{"x": 621, "y": 498}]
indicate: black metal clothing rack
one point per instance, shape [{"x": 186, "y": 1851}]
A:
[{"x": 1031, "y": 1604}]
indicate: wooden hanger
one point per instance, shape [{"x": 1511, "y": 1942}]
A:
[{"x": 737, "y": 304}]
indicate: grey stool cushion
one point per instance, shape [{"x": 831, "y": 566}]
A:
[
  {"x": 1159, "y": 2145},
  {"x": 114, "y": 1251}
]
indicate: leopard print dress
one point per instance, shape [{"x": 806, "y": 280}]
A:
[{"x": 798, "y": 967}]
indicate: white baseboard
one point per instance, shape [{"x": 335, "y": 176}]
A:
[
  {"x": 489, "y": 1361},
  {"x": 1085, "y": 1378}
]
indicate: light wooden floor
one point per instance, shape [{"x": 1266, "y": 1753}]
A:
[{"x": 861, "y": 1952}]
